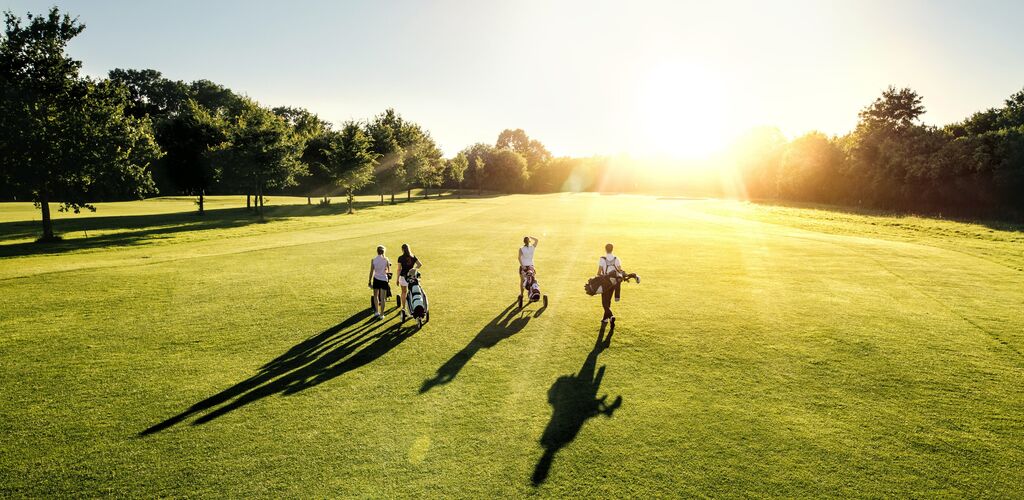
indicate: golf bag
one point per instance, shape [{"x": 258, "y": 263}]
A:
[
  {"x": 416, "y": 304},
  {"x": 597, "y": 284},
  {"x": 532, "y": 286}
]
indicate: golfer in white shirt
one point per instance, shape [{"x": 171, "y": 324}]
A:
[
  {"x": 526, "y": 258},
  {"x": 609, "y": 265},
  {"x": 380, "y": 266}
]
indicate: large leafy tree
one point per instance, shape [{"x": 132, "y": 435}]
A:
[
  {"x": 310, "y": 129},
  {"x": 65, "y": 138},
  {"x": 506, "y": 171},
  {"x": 455, "y": 171},
  {"x": 261, "y": 153},
  {"x": 348, "y": 159},
  {"x": 150, "y": 93},
  {"x": 476, "y": 170},
  {"x": 188, "y": 139},
  {"x": 537, "y": 156},
  {"x": 425, "y": 163},
  {"x": 386, "y": 133}
]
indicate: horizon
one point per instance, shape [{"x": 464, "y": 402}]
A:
[{"x": 659, "y": 80}]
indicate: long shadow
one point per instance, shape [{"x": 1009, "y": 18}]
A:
[
  {"x": 136, "y": 229},
  {"x": 574, "y": 401},
  {"x": 506, "y": 324},
  {"x": 340, "y": 349}
]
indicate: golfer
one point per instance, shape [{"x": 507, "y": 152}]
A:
[
  {"x": 611, "y": 267},
  {"x": 406, "y": 262},
  {"x": 380, "y": 267},
  {"x": 526, "y": 259}
]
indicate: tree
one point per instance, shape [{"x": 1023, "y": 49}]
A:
[
  {"x": 348, "y": 159},
  {"x": 809, "y": 166},
  {"x": 63, "y": 134},
  {"x": 384, "y": 132},
  {"x": 308, "y": 128},
  {"x": 476, "y": 156},
  {"x": 537, "y": 156},
  {"x": 188, "y": 139},
  {"x": 261, "y": 153},
  {"x": 455, "y": 171},
  {"x": 896, "y": 109},
  {"x": 426, "y": 164},
  {"x": 506, "y": 171},
  {"x": 151, "y": 94}
]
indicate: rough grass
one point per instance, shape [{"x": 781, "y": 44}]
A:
[{"x": 768, "y": 352}]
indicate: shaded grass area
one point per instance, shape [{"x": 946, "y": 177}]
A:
[{"x": 769, "y": 352}]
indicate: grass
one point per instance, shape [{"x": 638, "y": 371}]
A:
[{"x": 769, "y": 351}]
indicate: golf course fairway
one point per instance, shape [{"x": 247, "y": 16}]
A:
[{"x": 767, "y": 351}]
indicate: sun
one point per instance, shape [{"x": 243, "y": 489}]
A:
[{"x": 683, "y": 111}]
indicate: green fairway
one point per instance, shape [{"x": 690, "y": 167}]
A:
[{"x": 769, "y": 351}]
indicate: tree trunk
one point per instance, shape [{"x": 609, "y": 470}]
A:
[
  {"x": 458, "y": 191},
  {"x": 309, "y": 200},
  {"x": 44, "y": 205},
  {"x": 248, "y": 205},
  {"x": 408, "y": 196},
  {"x": 381, "y": 196},
  {"x": 202, "y": 193},
  {"x": 392, "y": 197},
  {"x": 351, "y": 197},
  {"x": 426, "y": 192}
]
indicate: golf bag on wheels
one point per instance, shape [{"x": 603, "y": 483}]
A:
[
  {"x": 373, "y": 296},
  {"x": 415, "y": 300},
  {"x": 532, "y": 286}
]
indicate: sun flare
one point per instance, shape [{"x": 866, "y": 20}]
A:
[{"x": 682, "y": 112}]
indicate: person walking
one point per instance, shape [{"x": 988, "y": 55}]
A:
[
  {"x": 526, "y": 259},
  {"x": 610, "y": 267},
  {"x": 380, "y": 267},
  {"x": 406, "y": 262}
]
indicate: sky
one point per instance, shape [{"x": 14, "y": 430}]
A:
[{"x": 675, "y": 78}]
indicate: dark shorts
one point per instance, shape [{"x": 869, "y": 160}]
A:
[{"x": 381, "y": 285}]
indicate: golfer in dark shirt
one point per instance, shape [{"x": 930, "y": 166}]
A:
[{"x": 406, "y": 262}]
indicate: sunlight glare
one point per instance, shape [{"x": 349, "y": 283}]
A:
[{"x": 683, "y": 112}]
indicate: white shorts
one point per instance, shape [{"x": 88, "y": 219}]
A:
[{"x": 402, "y": 282}]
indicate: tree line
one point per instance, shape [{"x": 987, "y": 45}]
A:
[
  {"x": 71, "y": 140},
  {"x": 891, "y": 161}
]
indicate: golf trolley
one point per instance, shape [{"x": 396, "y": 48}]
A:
[
  {"x": 373, "y": 298},
  {"x": 415, "y": 301},
  {"x": 532, "y": 287}
]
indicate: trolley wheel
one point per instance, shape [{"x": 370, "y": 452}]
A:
[
  {"x": 419, "y": 322},
  {"x": 403, "y": 315}
]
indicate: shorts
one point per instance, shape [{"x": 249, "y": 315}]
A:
[
  {"x": 402, "y": 281},
  {"x": 381, "y": 285}
]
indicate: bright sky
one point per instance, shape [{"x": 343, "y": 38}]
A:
[{"x": 584, "y": 77}]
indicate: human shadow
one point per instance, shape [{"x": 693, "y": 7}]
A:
[
  {"x": 574, "y": 401},
  {"x": 342, "y": 348},
  {"x": 506, "y": 324}
]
